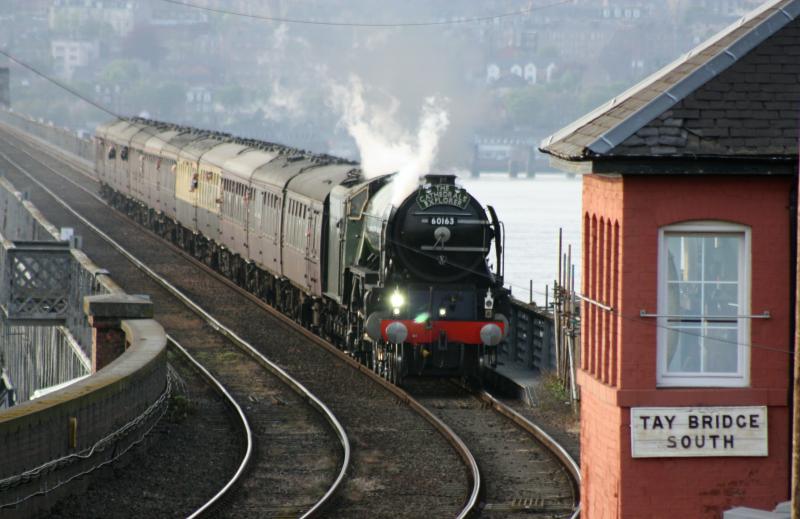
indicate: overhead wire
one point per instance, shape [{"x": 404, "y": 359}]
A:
[
  {"x": 638, "y": 319},
  {"x": 429, "y": 23}
]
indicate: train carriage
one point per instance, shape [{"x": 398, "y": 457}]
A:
[
  {"x": 160, "y": 168},
  {"x": 197, "y": 191},
  {"x": 272, "y": 178},
  {"x": 223, "y": 200},
  {"x": 305, "y": 220},
  {"x": 142, "y": 179},
  {"x": 260, "y": 231},
  {"x": 116, "y": 140},
  {"x": 103, "y": 149}
]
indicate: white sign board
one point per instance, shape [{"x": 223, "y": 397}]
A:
[{"x": 676, "y": 432}]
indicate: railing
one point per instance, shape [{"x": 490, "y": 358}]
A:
[
  {"x": 45, "y": 337},
  {"x": 63, "y": 138},
  {"x": 529, "y": 343}
]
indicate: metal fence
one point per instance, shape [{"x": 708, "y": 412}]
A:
[
  {"x": 530, "y": 339},
  {"x": 63, "y": 138},
  {"x": 45, "y": 337}
]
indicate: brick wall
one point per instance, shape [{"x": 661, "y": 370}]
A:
[{"x": 622, "y": 217}]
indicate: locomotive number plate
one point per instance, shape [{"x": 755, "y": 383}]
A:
[{"x": 443, "y": 220}]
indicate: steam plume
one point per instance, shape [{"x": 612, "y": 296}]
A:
[{"x": 385, "y": 147}]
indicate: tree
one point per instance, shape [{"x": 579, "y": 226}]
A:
[
  {"x": 143, "y": 43},
  {"x": 121, "y": 72}
]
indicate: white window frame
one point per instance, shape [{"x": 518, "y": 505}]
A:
[{"x": 742, "y": 377}]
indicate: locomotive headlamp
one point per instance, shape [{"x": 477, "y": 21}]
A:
[
  {"x": 442, "y": 312},
  {"x": 397, "y": 300}
]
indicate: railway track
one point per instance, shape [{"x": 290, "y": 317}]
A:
[
  {"x": 524, "y": 472},
  {"x": 397, "y": 454}
]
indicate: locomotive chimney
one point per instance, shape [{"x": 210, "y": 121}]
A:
[{"x": 434, "y": 179}]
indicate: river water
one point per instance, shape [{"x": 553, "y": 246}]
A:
[{"x": 533, "y": 210}]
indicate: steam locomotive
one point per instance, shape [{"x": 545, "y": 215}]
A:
[{"x": 404, "y": 287}]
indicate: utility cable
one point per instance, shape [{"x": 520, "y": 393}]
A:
[{"x": 430, "y": 23}]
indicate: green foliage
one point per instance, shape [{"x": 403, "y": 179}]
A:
[
  {"x": 121, "y": 72},
  {"x": 558, "y": 103},
  {"x": 552, "y": 393},
  {"x": 554, "y": 389},
  {"x": 143, "y": 43}
]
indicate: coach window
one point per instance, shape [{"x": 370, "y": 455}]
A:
[{"x": 703, "y": 301}]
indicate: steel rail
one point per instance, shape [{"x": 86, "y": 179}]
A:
[
  {"x": 217, "y": 326},
  {"x": 447, "y": 433},
  {"x": 248, "y": 432},
  {"x": 567, "y": 461}
]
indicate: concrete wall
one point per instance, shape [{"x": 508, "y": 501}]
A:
[
  {"x": 62, "y": 139},
  {"x": 73, "y": 420},
  {"x": 5, "y": 87},
  {"x": 618, "y": 364}
]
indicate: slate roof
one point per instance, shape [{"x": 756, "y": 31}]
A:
[{"x": 735, "y": 96}]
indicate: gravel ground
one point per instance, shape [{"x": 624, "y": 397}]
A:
[
  {"x": 149, "y": 481},
  {"x": 552, "y": 412}
]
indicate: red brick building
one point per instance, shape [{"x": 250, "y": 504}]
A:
[{"x": 690, "y": 211}]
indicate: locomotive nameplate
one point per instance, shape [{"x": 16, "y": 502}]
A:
[
  {"x": 442, "y": 194},
  {"x": 677, "y": 432}
]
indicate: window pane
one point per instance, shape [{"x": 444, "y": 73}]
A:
[
  {"x": 720, "y": 351},
  {"x": 706, "y": 271},
  {"x": 721, "y": 299},
  {"x": 684, "y": 299},
  {"x": 722, "y": 258},
  {"x": 684, "y": 259},
  {"x": 683, "y": 350}
]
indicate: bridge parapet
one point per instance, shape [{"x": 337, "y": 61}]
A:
[
  {"x": 48, "y": 442},
  {"x": 64, "y": 139}
]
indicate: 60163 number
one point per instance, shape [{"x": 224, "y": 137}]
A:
[{"x": 443, "y": 220}]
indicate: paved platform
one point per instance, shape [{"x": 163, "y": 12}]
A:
[{"x": 514, "y": 381}]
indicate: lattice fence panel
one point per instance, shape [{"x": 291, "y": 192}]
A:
[{"x": 37, "y": 282}]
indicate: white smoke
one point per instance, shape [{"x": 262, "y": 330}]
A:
[
  {"x": 284, "y": 103},
  {"x": 385, "y": 147},
  {"x": 279, "y": 37}
]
